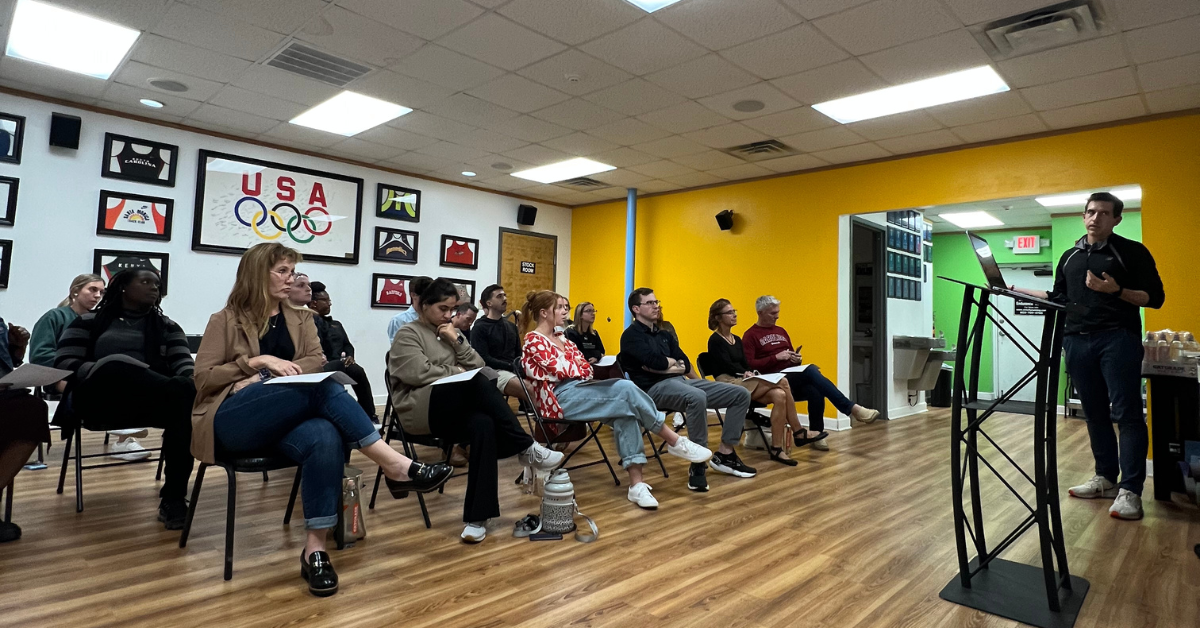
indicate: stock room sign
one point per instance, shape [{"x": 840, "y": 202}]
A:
[{"x": 241, "y": 202}]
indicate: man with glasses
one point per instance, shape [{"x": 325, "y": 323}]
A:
[
  {"x": 655, "y": 363},
  {"x": 1105, "y": 280},
  {"x": 339, "y": 352}
]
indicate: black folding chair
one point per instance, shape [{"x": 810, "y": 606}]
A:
[
  {"x": 704, "y": 365},
  {"x": 76, "y": 436},
  {"x": 654, "y": 447}
]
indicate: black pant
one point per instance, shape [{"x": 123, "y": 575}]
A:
[
  {"x": 475, "y": 413},
  {"x": 362, "y": 387},
  {"x": 121, "y": 395}
]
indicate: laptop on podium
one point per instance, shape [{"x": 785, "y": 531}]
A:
[{"x": 995, "y": 279}]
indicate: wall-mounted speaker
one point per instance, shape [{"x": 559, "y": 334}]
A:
[
  {"x": 526, "y": 214},
  {"x": 64, "y": 130},
  {"x": 725, "y": 220}
]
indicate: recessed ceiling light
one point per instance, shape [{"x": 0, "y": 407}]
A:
[
  {"x": 153, "y": 104},
  {"x": 349, "y": 114},
  {"x": 563, "y": 170},
  {"x": 167, "y": 85},
  {"x": 972, "y": 220},
  {"x": 748, "y": 106},
  {"x": 650, "y": 6},
  {"x": 939, "y": 90},
  {"x": 1132, "y": 193},
  {"x": 500, "y": 165},
  {"x": 468, "y": 173},
  {"x": 68, "y": 40}
]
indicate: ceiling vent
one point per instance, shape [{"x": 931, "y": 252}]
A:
[
  {"x": 1051, "y": 27},
  {"x": 314, "y": 64},
  {"x": 761, "y": 151},
  {"x": 583, "y": 183}
]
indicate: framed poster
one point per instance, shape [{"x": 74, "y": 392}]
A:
[
  {"x": 390, "y": 291},
  {"x": 466, "y": 289},
  {"x": 397, "y": 203},
  {"x": 6, "y": 247},
  {"x": 460, "y": 252},
  {"x": 134, "y": 159},
  {"x": 134, "y": 216},
  {"x": 241, "y": 202},
  {"x": 108, "y": 262},
  {"x": 8, "y": 200},
  {"x": 12, "y": 135},
  {"x": 396, "y": 245}
]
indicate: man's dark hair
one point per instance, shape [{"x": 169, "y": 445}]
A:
[
  {"x": 463, "y": 308},
  {"x": 487, "y": 293},
  {"x": 1117, "y": 204},
  {"x": 419, "y": 285},
  {"x": 317, "y": 287},
  {"x": 437, "y": 290},
  {"x": 635, "y": 297}
]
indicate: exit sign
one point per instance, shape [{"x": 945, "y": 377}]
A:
[{"x": 1027, "y": 245}]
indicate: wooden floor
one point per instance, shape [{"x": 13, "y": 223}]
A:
[{"x": 859, "y": 536}]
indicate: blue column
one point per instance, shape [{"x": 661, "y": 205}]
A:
[{"x": 630, "y": 246}]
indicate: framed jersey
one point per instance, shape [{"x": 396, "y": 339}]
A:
[
  {"x": 6, "y": 247},
  {"x": 460, "y": 252},
  {"x": 108, "y": 262},
  {"x": 390, "y": 291},
  {"x": 134, "y": 216},
  {"x": 396, "y": 245},
  {"x": 8, "y": 200},
  {"x": 134, "y": 159},
  {"x": 397, "y": 203},
  {"x": 466, "y": 289},
  {"x": 12, "y": 135}
]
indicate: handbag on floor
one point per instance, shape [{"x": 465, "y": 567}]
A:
[{"x": 351, "y": 526}]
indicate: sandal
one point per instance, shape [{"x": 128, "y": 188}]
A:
[
  {"x": 774, "y": 454},
  {"x": 525, "y": 527},
  {"x": 800, "y": 442}
]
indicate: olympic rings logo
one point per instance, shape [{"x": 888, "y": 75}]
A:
[{"x": 291, "y": 227}]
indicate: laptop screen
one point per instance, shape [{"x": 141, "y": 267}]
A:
[{"x": 991, "y": 271}]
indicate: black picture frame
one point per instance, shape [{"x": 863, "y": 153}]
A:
[
  {"x": 104, "y": 224},
  {"x": 466, "y": 289},
  {"x": 377, "y": 291},
  {"x": 171, "y": 166},
  {"x": 395, "y": 239},
  {"x": 135, "y": 259},
  {"x": 453, "y": 258},
  {"x": 9, "y": 206},
  {"x": 6, "y": 249},
  {"x": 389, "y": 203},
  {"x": 15, "y": 138}
]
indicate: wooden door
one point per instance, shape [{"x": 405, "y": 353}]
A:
[{"x": 527, "y": 262}]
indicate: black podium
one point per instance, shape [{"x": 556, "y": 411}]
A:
[{"x": 1046, "y": 596}]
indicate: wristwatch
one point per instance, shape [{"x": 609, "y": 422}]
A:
[{"x": 264, "y": 374}]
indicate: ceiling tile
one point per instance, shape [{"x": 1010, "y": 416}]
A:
[
  {"x": 578, "y": 114},
  {"x": 256, "y": 103},
  {"x": 918, "y": 142},
  {"x": 281, "y": 16},
  {"x": 397, "y": 88},
  {"x": 530, "y": 129},
  {"x": 993, "y": 107},
  {"x": 1088, "y": 57},
  {"x": 790, "y": 122},
  {"x": 1164, "y": 41},
  {"x": 849, "y": 154},
  {"x": 634, "y": 97},
  {"x": 580, "y": 144},
  {"x": 451, "y": 151},
  {"x": 216, "y": 32},
  {"x": 744, "y": 171},
  {"x": 571, "y": 21},
  {"x": 140, "y": 110},
  {"x": 50, "y": 81},
  {"x": 1138, "y": 13},
  {"x": 285, "y": 85},
  {"x": 996, "y": 129},
  {"x": 844, "y": 78},
  {"x": 397, "y": 138},
  {"x": 940, "y": 54},
  {"x": 824, "y": 139},
  {"x": 362, "y": 39},
  {"x": 654, "y": 186},
  {"x": 490, "y": 141},
  {"x": 518, "y": 93},
  {"x": 671, "y": 147},
  {"x": 137, "y": 75},
  {"x": 727, "y": 135},
  {"x": 230, "y": 118},
  {"x": 446, "y": 68},
  {"x": 772, "y": 99},
  {"x": 696, "y": 179},
  {"x": 1084, "y": 89},
  {"x": 702, "y": 77},
  {"x": 684, "y": 117},
  {"x": 137, "y": 14},
  {"x": 366, "y": 151},
  {"x": 1095, "y": 113},
  {"x": 428, "y": 19},
  {"x": 1169, "y": 73},
  {"x": 592, "y": 74},
  {"x": 624, "y": 158},
  {"x": 886, "y": 23},
  {"x": 500, "y": 42},
  {"x": 794, "y": 50},
  {"x": 286, "y": 132},
  {"x": 537, "y": 155},
  {"x": 795, "y": 163},
  {"x": 709, "y": 160},
  {"x": 1177, "y": 99},
  {"x": 629, "y": 131},
  {"x": 895, "y": 125},
  {"x": 418, "y": 162},
  {"x": 471, "y": 110},
  {"x": 187, "y": 59},
  {"x": 813, "y": 9},
  {"x": 427, "y": 124},
  {"x": 976, "y": 11},
  {"x": 130, "y": 96},
  {"x": 718, "y": 24},
  {"x": 621, "y": 178},
  {"x": 643, "y": 47},
  {"x": 661, "y": 169}
]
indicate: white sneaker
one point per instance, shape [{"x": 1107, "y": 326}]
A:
[
  {"x": 137, "y": 432},
  {"x": 640, "y": 494},
  {"x": 474, "y": 532},
  {"x": 1093, "y": 488},
  {"x": 540, "y": 458},
  {"x": 128, "y": 449},
  {"x": 687, "y": 450},
  {"x": 677, "y": 421},
  {"x": 1128, "y": 505}
]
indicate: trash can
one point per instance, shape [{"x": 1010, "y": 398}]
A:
[{"x": 939, "y": 396}]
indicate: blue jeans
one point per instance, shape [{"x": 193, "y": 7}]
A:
[
  {"x": 313, "y": 425},
  {"x": 1106, "y": 368},
  {"x": 811, "y": 386},
  {"x": 620, "y": 404}
]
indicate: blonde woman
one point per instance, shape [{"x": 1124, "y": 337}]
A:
[{"x": 583, "y": 333}]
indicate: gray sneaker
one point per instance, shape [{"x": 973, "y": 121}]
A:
[
  {"x": 1098, "y": 486},
  {"x": 1128, "y": 505}
]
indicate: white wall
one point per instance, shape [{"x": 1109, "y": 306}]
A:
[{"x": 55, "y": 230}]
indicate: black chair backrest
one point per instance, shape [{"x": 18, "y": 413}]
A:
[
  {"x": 194, "y": 342},
  {"x": 704, "y": 365}
]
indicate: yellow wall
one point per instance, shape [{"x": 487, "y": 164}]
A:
[{"x": 786, "y": 239}]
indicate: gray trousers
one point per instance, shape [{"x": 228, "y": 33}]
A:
[{"x": 694, "y": 397}]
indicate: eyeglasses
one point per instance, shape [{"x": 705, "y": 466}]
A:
[
  {"x": 589, "y": 311},
  {"x": 286, "y": 273},
  {"x": 652, "y": 303},
  {"x": 728, "y": 312}
]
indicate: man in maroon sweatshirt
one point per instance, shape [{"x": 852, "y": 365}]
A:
[{"x": 769, "y": 349}]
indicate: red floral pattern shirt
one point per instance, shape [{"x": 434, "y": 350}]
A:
[{"x": 547, "y": 365}]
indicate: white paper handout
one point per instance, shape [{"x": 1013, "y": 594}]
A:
[
  {"x": 467, "y": 376},
  {"x": 799, "y": 368},
  {"x": 607, "y": 360},
  {"x": 769, "y": 377},
  {"x": 31, "y": 376},
  {"x": 312, "y": 378}
]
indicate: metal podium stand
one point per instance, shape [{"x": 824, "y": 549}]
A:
[{"x": 1041, "y": 596}]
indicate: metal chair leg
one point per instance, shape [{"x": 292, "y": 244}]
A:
[
  {"x": 604, "y": 455},
  {"x": 78, "y": 470},
  {"x": 266, "y": 478},
  {"x": 62, "y": 475},
  {"x": 107, "y": 436},
  {"x": 654, "y": 450},
  {"x": 287, "y": 516},
  {"x": 230, "y": 509},
  {"x": 8, "y": 500},
  {"x": 424, "y": 510},
  {"x": 158, "y": 474},
  {"x": 187, "y": 525}
]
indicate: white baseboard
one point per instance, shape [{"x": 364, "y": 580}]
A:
[
  {"x": 905, "y": 411},
  {"x": 1149, "y": 468},
  {"x": 831, "y": 425}
]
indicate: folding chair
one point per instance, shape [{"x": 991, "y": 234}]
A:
[
  {"x": 704, "y": 365},
  {"x": 654, "y": 448},
  {"x": 76, "y": 436}
]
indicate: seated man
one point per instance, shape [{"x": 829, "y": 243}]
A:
[
  {"x": 769, "y": 350},
  {"x": 338, "y": 350},
  {"x": 415, "y": 287},
  {"x": 464, "y": 316},
  {"x": 497, "y": 340},
  {"x": 656, "y": 364}
]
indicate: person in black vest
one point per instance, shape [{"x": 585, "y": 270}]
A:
[
  {"x": 1105, "y": 280},
  {"x": 335, "y": 342},
  {"x": 497, "y": 340}
]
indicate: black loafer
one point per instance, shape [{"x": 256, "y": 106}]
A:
[
  {"x": 172, "y": 512},
  {"x": 318, "y": 572},
  {"x": 9, "y": 532},
  {"x": 423, "y": 478}
]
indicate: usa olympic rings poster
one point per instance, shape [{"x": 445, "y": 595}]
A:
[{"x": 241, "y": 202}]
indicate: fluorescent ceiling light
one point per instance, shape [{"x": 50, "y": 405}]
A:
[
  {"x": 68, "y": 40},
  {"x": 349, "y": 114},
  {"x": 650, "y": 6},
  {"x": 939, "y": 90},
  {"x": 971, "y": 220},
  {"x": 1132, "y": 193},
  {"x": 563, "y": 170}
]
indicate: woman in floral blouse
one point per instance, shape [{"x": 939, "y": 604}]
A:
[{"x": 564, "y": 389}]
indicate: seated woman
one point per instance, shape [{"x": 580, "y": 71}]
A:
[
  {"x": 728, "y": 360},
  {"x": 258, "y": 337},
  {"x": 583, "y": 333},
  {"x": 24, "y": 421},
  {"x": 560, "y": 377},
  {"x": 473, "y": 412},
  {"x": 131, "y": 368}
]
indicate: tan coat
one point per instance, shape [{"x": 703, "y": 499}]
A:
[
  {"x": 224, "y": 359},
  {"x": 417, "y": 359}
]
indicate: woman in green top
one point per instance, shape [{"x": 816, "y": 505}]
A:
[{"x": 86, "y": 292}]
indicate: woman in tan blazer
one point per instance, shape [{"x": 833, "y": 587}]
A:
[
  {"x": 257, "y": 337},
  {"x": 471, "y": 412}
]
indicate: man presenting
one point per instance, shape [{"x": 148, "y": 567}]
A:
[
  {"x": 338, "y": 350},
  {"x": 497, "y": 340},
  {"x": 1104, "y": 280}
]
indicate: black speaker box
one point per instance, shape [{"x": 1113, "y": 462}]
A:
[
  {"x": 64, "y": 130},
  {"x": 725, "y": 220},
  {"x": 526, "y": 214}
]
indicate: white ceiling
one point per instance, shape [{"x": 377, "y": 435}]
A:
[
  {"x": 654, "y": 93},
  {"x": 1016, "y": 213}
]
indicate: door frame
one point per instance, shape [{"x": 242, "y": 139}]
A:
[
  {"x": 880, "y": 339},
  {"x": 1011, "y": 266},
  {"x": 500, "y": 251}
]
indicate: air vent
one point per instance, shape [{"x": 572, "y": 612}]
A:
[
  {"x": 761, "y": 151},
  {"x": 1051, "y": 27},
  {"x": 583, "y": 183},
  {"x": 314, "y": 64}
]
